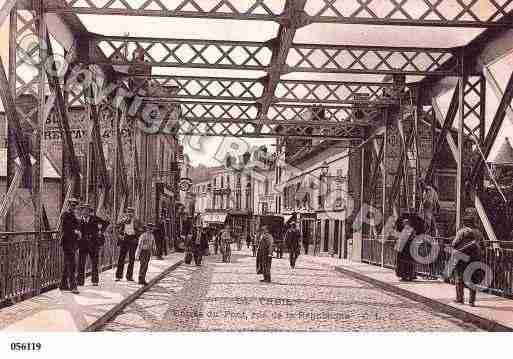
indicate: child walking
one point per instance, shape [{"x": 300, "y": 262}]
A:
[{"x": 145, "y": 249}]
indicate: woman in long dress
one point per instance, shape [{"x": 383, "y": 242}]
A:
[{"x": 408, "y": 227}]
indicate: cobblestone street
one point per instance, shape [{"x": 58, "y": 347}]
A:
[{"x": 229, "y": 296}]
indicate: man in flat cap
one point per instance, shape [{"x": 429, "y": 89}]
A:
[
  {"x": 70, "y": 226},
  {"x": 93, "y": 229},
  {"x": 293, "y": 242},
  {"x": 145, "y": 248},
  {"x": 466, "y": 248},
  {"x": 129, "y": 229},
  {"x": 265, "y": 254}
]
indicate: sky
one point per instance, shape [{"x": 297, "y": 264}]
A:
[{"x": 204, "y": 150}]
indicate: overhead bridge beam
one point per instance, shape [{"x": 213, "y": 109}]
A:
[
  {"x": 231, "y": 88},
  {"x": 246, "y": 55},
  {"x": 197, "y": 126},
  {"x": 277, "y": 112},
  {"x": 446, "y": 13}
]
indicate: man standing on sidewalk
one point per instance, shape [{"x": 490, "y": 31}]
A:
[
  {"x": 292, "y": 240},
  {"x": 225, "y": 243},
  {"x": 466, "y": 250},
  {"x": 128, "y": 229},
  {"x": 265, "y": 254},
  {"x": 146, "y": 246},
  {"x": 93, "y": 229},
  {"x": 70, "y": 234}
]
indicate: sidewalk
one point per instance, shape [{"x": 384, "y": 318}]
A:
[
  {"x": 67, "y": 312},
  {"x": 491, "y": 312}
]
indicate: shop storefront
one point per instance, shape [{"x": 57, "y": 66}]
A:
[
  {"x": 307, "y": 225},
  {"x": 331, "y": 233}
]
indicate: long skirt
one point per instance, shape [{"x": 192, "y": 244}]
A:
[{"x": 405, "y": 267}]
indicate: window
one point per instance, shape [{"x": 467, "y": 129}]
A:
[
  {"x": 266, "y": 186},
  {"x": 222, "y": 182}
]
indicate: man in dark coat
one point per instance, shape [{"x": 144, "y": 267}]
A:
[
  {"x": 200, "y": 245},
  {"x": 70, "y": 226},
  {"x": 225, "y": 241},
  {"x": 129, "y": 229},
  {"x": 292, "y": 240},
  {"x": 466, "y": 250},
  {"x": 160, "y": 242},
  {"x": 93, "y": 229},
  {"x": 265, "y": 254}
]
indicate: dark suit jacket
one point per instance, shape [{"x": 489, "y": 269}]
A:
[
  {"x": 92, "y": 231},
  {"x": 70, "y": 223},
  {"x": 137, "y": 226},
  {"x": 292, "y": 239}
]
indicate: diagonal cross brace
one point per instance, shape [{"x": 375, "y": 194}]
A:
[
  {"x": 447, "y": 125},
  {"x": 282, "y": 45},
  {"x": 98, "y": 146},
  {"x": 375, "y": 171},
  {"x": 62, "y": 116},
  {"x": 5, "y": 10},
  {"x": 494, "y": 130},
  {"x": 400, "y": 169}
]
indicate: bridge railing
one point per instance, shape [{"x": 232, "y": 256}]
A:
[
  {"x": 29, "y": 265},
  {"x": 499, "y": 260}
]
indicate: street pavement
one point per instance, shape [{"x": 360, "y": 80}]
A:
[{"x": 312, "y": 297}]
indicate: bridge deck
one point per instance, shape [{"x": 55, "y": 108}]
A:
[{"x": 66, "y": 312}]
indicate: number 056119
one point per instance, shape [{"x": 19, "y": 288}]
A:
[{"x": 27, "y": 346}]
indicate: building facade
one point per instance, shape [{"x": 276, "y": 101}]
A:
[{"x": 237, "y": 193}]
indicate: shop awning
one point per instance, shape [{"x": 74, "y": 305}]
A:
[
  {"x": 339, "y": 215},
  {"x": 287, "y": 217},
  {"x": 214, "y": 217}
]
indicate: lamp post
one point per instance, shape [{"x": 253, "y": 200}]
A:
[{"x": 324, "y": 175}]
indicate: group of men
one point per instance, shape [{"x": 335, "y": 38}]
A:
[{"x": 84, "y": 231}]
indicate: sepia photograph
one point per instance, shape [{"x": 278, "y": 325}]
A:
[{"x": 235, "y": 168}]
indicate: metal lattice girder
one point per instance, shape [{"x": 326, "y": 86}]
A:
[
  {"x": 484, "y": 13},
  {"x": 227, "y": 88},
  {"x": 369, "y": 59},
  {"x": 331, "y": 92},
  {"x": 245, "y": 55},
  {"x": 270, "y": 128},
  {"x": 204, "y": 88},
  {"x": 239, "y": 55},
  {"x": 474, "y": 107},
  {"x": 472, "y": 13},
  {"x": 279, "y": 112},
  {"x": 494, "y": 129}
]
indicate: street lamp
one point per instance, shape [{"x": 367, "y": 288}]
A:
[{"x": 324, "y": 169}]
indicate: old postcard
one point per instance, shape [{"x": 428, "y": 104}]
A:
[{"x": 255, "y": 166}]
